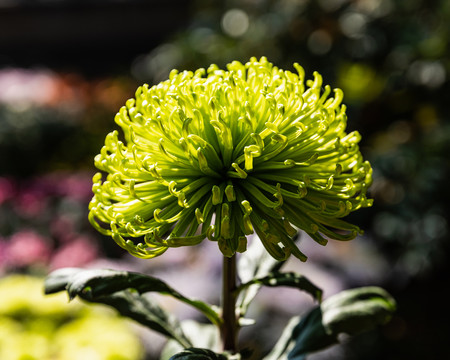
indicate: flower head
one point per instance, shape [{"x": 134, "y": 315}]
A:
[{"x": 222, "y": 154}]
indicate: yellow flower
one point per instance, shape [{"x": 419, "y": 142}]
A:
[
  {"x": 222, "y": 154},
  {"x": 35, "y": 326}
]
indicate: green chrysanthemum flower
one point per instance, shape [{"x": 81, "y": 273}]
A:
[{"x": 223, "y": 154}]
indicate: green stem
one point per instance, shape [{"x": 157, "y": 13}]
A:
[{"x": 229, "y": 327}]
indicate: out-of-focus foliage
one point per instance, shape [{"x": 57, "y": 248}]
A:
[
  {"x": 410, "y": 221},
  {"x": 376, "y": 42},
  {"x": 52, "y": 121},
  {"x": 35, "y": 327}
]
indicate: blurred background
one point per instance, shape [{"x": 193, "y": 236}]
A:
[{"x": 67, "y": 66}]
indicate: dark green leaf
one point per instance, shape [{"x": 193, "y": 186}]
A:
[
  {"x": 350, "y": 312},
  {"x": 127, "y": 302},
  {"x": 147, "y": 313},
  {"x": 198, "y": 354},
  {"x": 302, "y": 337},
  {"x": 57, "y": 281},
  {"x": 92, "y": 284},
  {"x": 310, "y": 336},
  {"x": 357, "y": 310},
  {"x": 289, "y": 279},
  {"x": 285, "y": 341}
]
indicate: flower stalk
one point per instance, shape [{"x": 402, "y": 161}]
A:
[{"x": 230, "y": 327}]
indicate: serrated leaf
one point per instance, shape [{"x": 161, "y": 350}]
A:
[
  {"x": 198, "y": 354},
  {"x": 92, "y": 284},
  {"x": 350, "y": 312},
  {"x": 288, "y": 279}
]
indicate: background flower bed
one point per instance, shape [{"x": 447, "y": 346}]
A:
[{"x": 391, "y": 58}]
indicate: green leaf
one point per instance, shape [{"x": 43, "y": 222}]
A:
[
  {"x": 91, "y": 284},
  {"x": 127, "y": 302},
  {"x": 285, "y": 342},
  {"x": 310, "y": 336},
  {"x": 204, "y": 336},
  {"x": 350, "y": 312},
  {"x": 256, "y": 262},
  {"x": 142, "y": 310},
  {"x": 288, "y": 279},
  {"x": 357, "y": 310},
  {"x": 198, "y": 354}
]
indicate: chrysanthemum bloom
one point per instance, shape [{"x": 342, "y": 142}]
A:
[{"x": 222, "y": 154}]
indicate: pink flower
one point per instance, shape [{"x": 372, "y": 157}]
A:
[
  {"x": 30, "y": 203},
  {"x": 6, "y": 189},
  {"x": 25, "y": 248},
  {"x": 78, "y": 252},
  {"x": 76, "y": 186},
  {"x": 62, "y": 228}
]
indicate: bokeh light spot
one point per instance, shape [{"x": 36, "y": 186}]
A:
[
  {"x": 435, "y": 226},
  {"x": 400, "y": 132},
  {"x": 353, "y": 24},
  {"x": 235, "y": 22},
  {"x": 319, "y": 42},
  {"x": 428, "y": 73}
]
